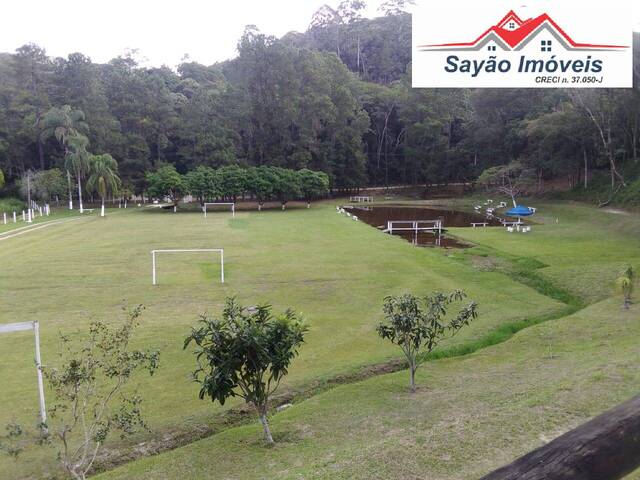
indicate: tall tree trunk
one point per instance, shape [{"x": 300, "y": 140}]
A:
[
  {"x": 102, "y": 208},
  {"x": 70, "y": 193},
  {"x": 41, "y": 153},
  {"x": 412, "y": 372},
  {"x": 80, "y": 194},
  {"x": 586, "y": 168}
]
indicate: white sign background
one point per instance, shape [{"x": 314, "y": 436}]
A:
[{"x": 604, "y": 22}]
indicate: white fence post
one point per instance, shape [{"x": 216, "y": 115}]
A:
[
  {"x": 153, "y": 262},
  {"x": 222, "y": 265},
  {"x": 35, "y": 326},
  {"x": 4, "y": 215},
  {"x": 43, "y": 410}
]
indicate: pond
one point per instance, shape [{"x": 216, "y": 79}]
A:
[{"x": 379, "y": 216}]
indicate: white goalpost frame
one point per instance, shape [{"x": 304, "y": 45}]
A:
[
  {"x": 197, "y": 250},
  {"x": 35, "y": 326},
  {"x": 233, "y": 208}
]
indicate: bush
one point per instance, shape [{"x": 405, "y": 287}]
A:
[{"x": 11, "y": 205}]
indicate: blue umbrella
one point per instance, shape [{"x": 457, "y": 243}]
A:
[{"x": 519, "y": 211}]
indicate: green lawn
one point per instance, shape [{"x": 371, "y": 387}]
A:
[
  {"x": 470, "y": 415},
  {"x": 57, "y": 214},
  {"x": 336, "y": 272}
]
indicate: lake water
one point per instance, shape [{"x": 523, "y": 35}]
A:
[{"x": 379, "y": 216}]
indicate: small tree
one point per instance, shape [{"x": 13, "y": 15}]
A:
[
  {"x": 90, "y": 397},
  {"x": 48, "y": 184},
  {"x": 286, "y": 185},
  {"x": 260, "y": 182},
  {"x": 626, "y": 283},
  {"x": 89, "y": 392},
  {"x": 418, "y": 325},
  {"x": 166, "y": 182},
  {"x": 203, "y": 183},
  {"x": 313, "y": 184},
  {"x": 246, "y": 353},
  {"x": 512, "y": 179},
  {"x": 232, "y": 181}
]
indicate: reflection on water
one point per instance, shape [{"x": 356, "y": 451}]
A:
[{"x": 379, "y": 216}]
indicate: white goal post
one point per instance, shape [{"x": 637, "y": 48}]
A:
[
  {"x": 198, "y": 250},
  {"x": 20, "y": 327},
  {"x": 233, "y": 208}
]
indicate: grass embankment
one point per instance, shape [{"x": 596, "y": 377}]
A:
[
  {"x": 476, "y": 412},
  {"x": 335, "y": 271},
  {"x": 470, "y": 415}
]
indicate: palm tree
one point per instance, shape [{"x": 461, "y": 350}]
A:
[
  {"x": 65, "y": 124},
  {"x": 77, "y": 160},
  {"x": 103, "y": 177}
]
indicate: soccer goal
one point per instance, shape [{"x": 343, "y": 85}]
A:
[
  {"x": 232, "y": 205},
  {"x": 21, "y": 327},
  {"x": 154, "y": 253}
]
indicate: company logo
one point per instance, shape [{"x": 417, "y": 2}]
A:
[
  {"x": 512, "y": 33},
  {"x": 522, "y": 51}
]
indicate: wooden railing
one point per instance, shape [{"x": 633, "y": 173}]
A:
[{"x": 605, "y": 448}]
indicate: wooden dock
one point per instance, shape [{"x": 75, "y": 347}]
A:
[{"x": 413, "y": 226}]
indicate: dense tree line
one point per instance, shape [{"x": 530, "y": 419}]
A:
[
  {"x": 228, "y": 183},
  {"x": 336, "y": 99}
]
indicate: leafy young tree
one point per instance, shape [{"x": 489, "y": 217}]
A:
[
  {"x": 48, "y": 184},
  {"x": 245, "y": 353},
  {"x": 313, "y": 184},
  {"x": 286, "y": 185},
  {"x": 418, "y": 325},
  {"x": 232, "y": 181},
  {"x": 259, "y": 183},
  {"x": 91, "y": 398},
  {"x": 204, "y": 183},
  {"x": 512, "y": 179},
  {"x": 166, "y": 182},
  {"x": 626, "y": 284},
  {"x": 103, "y": 177}
]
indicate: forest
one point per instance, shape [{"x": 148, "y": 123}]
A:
[{"x": 335, "y": 99}]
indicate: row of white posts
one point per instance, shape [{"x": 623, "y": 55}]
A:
[{"x": 28, "y": 215}]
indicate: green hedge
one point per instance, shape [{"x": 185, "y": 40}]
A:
[{"x": 11, "y": 205}]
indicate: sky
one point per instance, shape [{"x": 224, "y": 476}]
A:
[{"x": 162, "y": 31}]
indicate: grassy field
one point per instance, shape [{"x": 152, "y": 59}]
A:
[{"x": 336, "y": 272}]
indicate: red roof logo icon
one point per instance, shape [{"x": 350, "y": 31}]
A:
[{"x": 513, "y": 33}]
